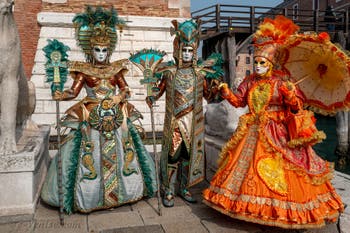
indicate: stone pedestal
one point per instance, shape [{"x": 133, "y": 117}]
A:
[
  {"x": 221, "y": 120},
  {"x": 22, "y": 174},
  {"x": 341, "y": 183},
  {"x": 212, "y": 148}
]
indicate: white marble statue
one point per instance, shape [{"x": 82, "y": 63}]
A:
[{"x": 16, "y": 102}]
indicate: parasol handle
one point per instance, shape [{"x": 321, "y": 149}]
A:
[{"x": 301, "y": 80}]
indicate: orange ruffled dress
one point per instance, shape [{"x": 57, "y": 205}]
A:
[{"x": 263, "y": 179}]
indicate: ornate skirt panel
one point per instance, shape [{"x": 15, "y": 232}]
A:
[
  {"x": 182, "y": 131},
  {"x": 119, "y": 179},
  {"x": 253, "y": 184},
  {"x": 191, "y": 127},
  {"x": 304, "y": 157},
  {"x": 196, "y": 169},
  {"x": 106, "y": 177}
]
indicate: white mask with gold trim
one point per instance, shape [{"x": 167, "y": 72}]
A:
[{"x": 262, "y": 65}]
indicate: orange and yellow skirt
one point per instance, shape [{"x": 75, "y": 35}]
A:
[{"x": 255, "y": 184}]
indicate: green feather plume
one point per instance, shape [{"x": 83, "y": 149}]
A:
[
  {"x": 146, "y": 162},
  {"x": 216, "y": 61},
  {"x": 56, "y": 46},
  {"x": 92, "y": 17},
  {"x": 72, "y": 171}
]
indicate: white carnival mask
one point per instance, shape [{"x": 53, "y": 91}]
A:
[
  {"x": 261, "y": 65},
  {"x": 187, "y": 54},
  {"x": 100, "y": 53}
]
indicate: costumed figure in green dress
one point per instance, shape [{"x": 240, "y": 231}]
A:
[
  {"x": 104, "y": 163},
  {"x": 185, "y": 81}
]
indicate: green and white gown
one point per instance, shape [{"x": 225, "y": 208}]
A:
[{"x": 104, "y": 163}]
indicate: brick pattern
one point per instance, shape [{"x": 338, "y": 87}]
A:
[
  {"x": 158, "y": 8},
  {"x": 29, "y": 29}
]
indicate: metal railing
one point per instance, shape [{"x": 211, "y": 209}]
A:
[{"x": 239, "y": 18}]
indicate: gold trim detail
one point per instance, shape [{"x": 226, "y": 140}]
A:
[
  {"x": 286, "y": 205},
  {"x": 102, "y": 72},
  {"x": 272, "y": 221},
  {"x": 259, "y": 96},
  {"x": 270, "y": 170}
]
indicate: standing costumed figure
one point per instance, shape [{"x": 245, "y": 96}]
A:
[
  {"x": 185, "y": 82},
  {"x": 268, "y": 172},
  {"x": 104, "y": 163}
]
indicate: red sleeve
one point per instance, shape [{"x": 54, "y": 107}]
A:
[{"x": 239, "y": 97}]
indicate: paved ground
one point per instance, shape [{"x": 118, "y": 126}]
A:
[{"x": 142, "y": 217}]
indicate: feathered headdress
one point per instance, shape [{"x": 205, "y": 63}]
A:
[
  {"x": 96, "y": 26},
  {"x": 271, "y": 34},
  {"x": 186, "y": 34}
]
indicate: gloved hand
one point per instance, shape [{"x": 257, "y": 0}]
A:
[
  {"x": 57, "y": 95},
  {"x": 150, "y": 101},
  {"x": 288, "y": 90},
  {"x": 223, "y": 88}
]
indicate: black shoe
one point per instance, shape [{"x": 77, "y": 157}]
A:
[
  {"x": 187, "y": 196},
  {"x": 168, "y": 199}
]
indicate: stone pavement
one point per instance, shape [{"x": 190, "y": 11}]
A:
[{"x": 141, "y": 217}]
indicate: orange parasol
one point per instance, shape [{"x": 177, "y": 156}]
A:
[{"x": 321, "y": 70}]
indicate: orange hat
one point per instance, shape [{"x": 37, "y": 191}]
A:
[
  {"x": 268, "y": 51},
  {"x": 275, "y": 30},
  {"x": 272, "y": 33}
]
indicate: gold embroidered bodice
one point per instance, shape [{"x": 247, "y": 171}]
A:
[
  {"x": 184, "y": 90},
  {"x": 259, "y": 96},
  {"x": 97, "y": 80}
]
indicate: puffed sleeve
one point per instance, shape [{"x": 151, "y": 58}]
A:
[
  {"x": 237, "y": 98},
  {"x": 119, "y": 81},
  {"x": 76, "y": 87},
  {"x": 291, "y": 95}
]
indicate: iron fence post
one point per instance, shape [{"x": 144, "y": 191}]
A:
[
  {"x": 346, "y": 23},
  {"x": 316, "y": 22},
  {"x": 252, "y": 19},
  {"x": 218, "y": 17}
]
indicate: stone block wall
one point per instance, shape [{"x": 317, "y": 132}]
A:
[
  {"x": 140, "y": 32},
  {"x": 29, "y": 29}
]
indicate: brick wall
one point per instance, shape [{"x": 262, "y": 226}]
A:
[
  {"x": 160, "y": 8},
  {"x": 29, "y": 30}
]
